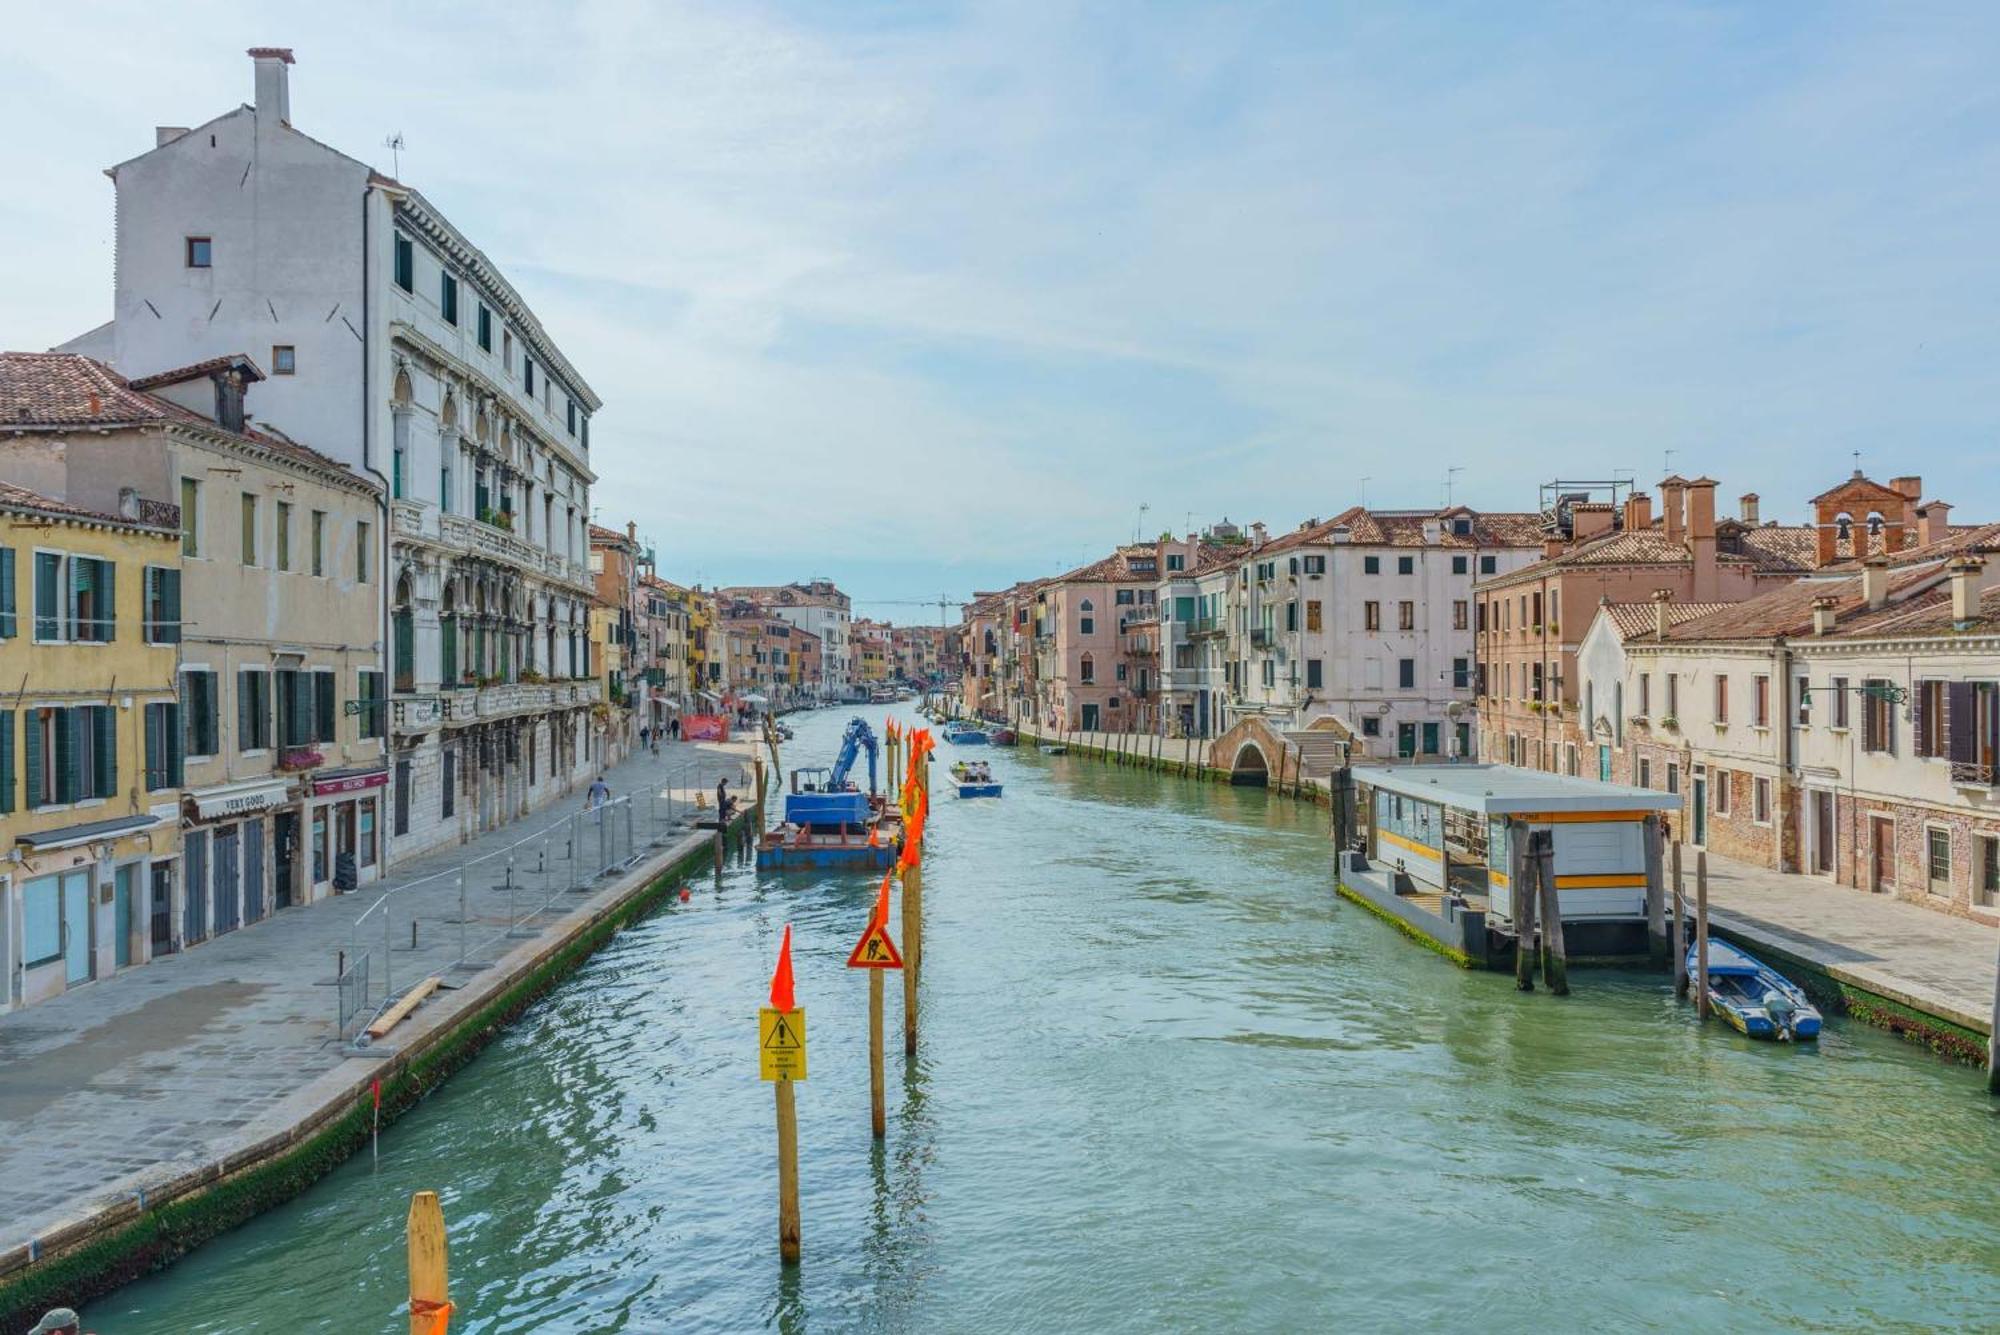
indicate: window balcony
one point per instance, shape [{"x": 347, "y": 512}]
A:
[{"x": 1263, "y": 637}]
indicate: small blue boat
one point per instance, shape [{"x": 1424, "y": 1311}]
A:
[
  {"x": 964, "y": 734},
  {"x": 974, "y": 778},
  {"x": 1753, "y": 996}
]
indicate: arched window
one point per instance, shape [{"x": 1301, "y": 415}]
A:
[
  {"x": 400, "y": 403},
  {"x": 405, "y": 634},
  {"x": 1843, "y": 528},
  {"x": 1086, "y": 623},
  {"x": 1086, "y": 671},
  {"x": 448, "y": 638}
]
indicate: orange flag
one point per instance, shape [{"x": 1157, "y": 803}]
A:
[
  {"x": 782, "y": 996},
  {"x": 882, "y": 899}
]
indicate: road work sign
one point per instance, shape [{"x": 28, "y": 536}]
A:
[
  {"x": 875, "y": 950},
  {"x": 781, "y": 1043}
]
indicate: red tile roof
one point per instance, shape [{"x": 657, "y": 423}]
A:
[
  {"x": 1634, "y": 620},
  {"x": 1405, "y": 528},
  {"x": 196, "y": 371},
  {"x": 33, "y": 502}
]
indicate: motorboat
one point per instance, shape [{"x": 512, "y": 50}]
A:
[
  {"x": 1751, "y": 995},
  {"x": 974, "y": 778},
  {"x": 964, "y": 734}
]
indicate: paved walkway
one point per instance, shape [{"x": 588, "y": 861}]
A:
[
  {"x": 1932, "y": 961},
  {"x": 171, "y": 1064}
]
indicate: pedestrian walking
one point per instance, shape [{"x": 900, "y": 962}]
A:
[
  {"x": 645, "y": 733},
  {"x": 598, "y": 794},
  {"x": 676, "y": 726}
]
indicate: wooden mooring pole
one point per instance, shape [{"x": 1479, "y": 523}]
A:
[
  {"x": 781, "y": 1059},
  {"x": 1993, "y": 1036},
  {"x": 1680, "y": 928},
  {"x": 1555, "y": 951},
  {"x": 1701, "y": 933},
  {"x": 878, "y": 1109},
  {"x": 430, "y": 1280},
  {"x": 1521, "y": 882},
  {"x": 788, "y": 1173}
]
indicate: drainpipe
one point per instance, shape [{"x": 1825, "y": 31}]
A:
[{"x": 1783, "y": 668}]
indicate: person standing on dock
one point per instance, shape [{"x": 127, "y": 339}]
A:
[{"x": 722, "y": 800}]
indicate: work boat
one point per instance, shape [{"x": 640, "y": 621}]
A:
[
  {"x": 1753, "y": 996},
  {"x": 964, "y": 734},
  {"x": 829, "y": 820},
  {"x": 974, "y": 778}
]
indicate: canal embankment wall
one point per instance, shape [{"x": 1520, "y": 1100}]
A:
[
  {"x": 1849, "y": 968},
  {"x": 302, "y": 1139}
]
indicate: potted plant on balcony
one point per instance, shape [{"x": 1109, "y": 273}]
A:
[{"x": 532, "y": 676}]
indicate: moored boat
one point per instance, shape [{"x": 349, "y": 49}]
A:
[
  {"x": 964, "y": 734},
  {"x": 1751, "y": 995},
  {"x": 1054, "y": 749}
]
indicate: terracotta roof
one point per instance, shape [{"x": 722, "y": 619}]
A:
[
  {"x": 67, "y": 389},
  {"x": 598, "y": 533},
  {"x": 1405, "y": 528},
  {"x": 197, "y": 370},
  {"x": 1788, "y": 610},
  {"x": 33, "y": 502},
  {"x": 1637, "y": 619}
]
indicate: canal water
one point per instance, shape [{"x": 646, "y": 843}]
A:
[{"x": 1167, "y": 1081}]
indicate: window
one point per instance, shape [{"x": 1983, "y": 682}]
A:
[
  {"x": 1406, "y": 673},
  {"x": 162, "y": 624},
  {"x": 1176, "y": 562},
  {"x": 190, "y": 517},
  {"x": 1406, "y": 565},
  {"x": 1371, "y": 616},
  {"x": 361, "y": 550},
  {"x": 198, "y": 712},
  {"x": 572, "y": 415},
  {"x": 1461, "y": 674},
  {"x": 448, "y": 297},
  {"x": 1673, "y": 695},
  {"x": 163, "y": 746},
  {"x": 1989, "y": 868},
  {"x": 1878, "y": 717},
  {"x": 1721, "y": 698},
  {"x": 1927, "y": 718},
  {"x": 1087, "y": 625},
  {"x": 1313, "y": 622},
  {"x": 249, "y": 521},
  {"x": 1760, "y": 800},
  {"x": 1673, "y": 777},
  {"x": 71, "y": 755},
  {"x": 1760, "y": 700},
  {"x": 1645, "y": 772},
  {"x": 1719, "y": 782},
  {"x": 1460, "y": 565},
  {"x": 373, "y": 704},
  {"x": 1804, "y": 697},
  {"x": 507, "y": 359},
  {"x": 253, "y": 709},
  {"x": 284, "y": 543},
  {"x": 1837, "y": 687},
  {"x": 1371, "y": 565},
  {"x": 284, "y": 359},
  {"x": 200, "y": 252},
  {"x": 319, "y": 542},
  {"x": 1087, "y": 670},
  {"x": 1646, "y": 694},
  {"x": 1937, "y": 849},
  {"x": 1314, "y": 565},
  {"x": 528, "y": 375},
  {"x": 76, "y": 599},
  {"x": 406, "y": 264},
  {"x": 1314, "y": 674},
  {"x": 1371, "y": 726},
  {"x": 1458, "y": 614},
  {"x": 297, "y": 707},
  {"x": 1486, "y": 565},
  {"x": 1406, "y": 616},
  {"x": 485, "y": 323}
]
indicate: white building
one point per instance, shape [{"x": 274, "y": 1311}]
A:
[
  {"x": 392, "y": 344},
  {"x": 820, "y": 607},
  {"x": 1196, "y": 585},
  {"x": 1367, "y": 617}
]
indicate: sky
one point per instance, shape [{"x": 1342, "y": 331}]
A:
[{"x": 927, "y": 298}]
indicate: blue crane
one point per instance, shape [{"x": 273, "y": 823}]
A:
[{"x": 824, "y": 797}]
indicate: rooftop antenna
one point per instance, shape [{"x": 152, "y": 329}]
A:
[
  {"x": 1667, "y": 458},
  {"x": 394, "y": 143},
  {"x": 1364, "y": 490},
  {"x": 1139, "y": 533},
  {"x": 1450, "y": 475}
]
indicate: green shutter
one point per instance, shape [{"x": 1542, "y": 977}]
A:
[
  {"x": 326, "y": 718},
  {"x": 156, "y": 746},
  {"x": 302, "y": 708},
  {"x": 48, "y": 596},
  {"x": 106, "y": 739},
  {"x": 8, "y": 626},
  {"x": 246, "y": 710},
  {"x": 176, "y": 757},
  {"x": 68, "y": 724},
  {"x": 172, "y": 580},
  {"x": 107, "y": 601},
  {"x": 32, "y": 741},
  {"x": 6, "y": 760}
]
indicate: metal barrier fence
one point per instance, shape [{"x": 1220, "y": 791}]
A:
[{"x": 451, "y": 920}]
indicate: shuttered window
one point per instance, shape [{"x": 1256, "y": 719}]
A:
[
  {"x": 325, "y": 714},
  {"x": 6, "y": 760},
  {"x": 164, "y": 754},
  {"x": 370, "y": 694},
  {"x": 253, "y": 709},
  {"x": 48, "y": 596},
  {"x": 103, "y": 727},
  {"x": 163, "y": 605},
  {"x": 8, "y": 623},
  {"x": 198, "y": 712}
]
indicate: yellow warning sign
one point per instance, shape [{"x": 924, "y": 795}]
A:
[{"x": 781, "y": 1043}]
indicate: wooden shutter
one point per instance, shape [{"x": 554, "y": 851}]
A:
[
  {"x": 31, "y": 740},
  {"x": 104, "y": 737},
  {"x": 325, "y": 718},
  {"x": 1921, "y": 723},
  {"x": 68, "y": 724},
  {"x": 48, "y": 596},
  {"x": 6, "y": 760},
  {"x": 9, "y": 627},
  {"x": 107, "y": 601},
  {"x": 1961, "y": 723},
  {"x": 170, "y": 633},
  {"x": 156, "y": 745}
]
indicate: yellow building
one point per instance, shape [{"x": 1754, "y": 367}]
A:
[
  {"x": 90, "y": 743},
  {"x": 704, "y": 655}
]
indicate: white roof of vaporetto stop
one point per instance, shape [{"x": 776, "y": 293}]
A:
[{"x": 1500, "y": 790}]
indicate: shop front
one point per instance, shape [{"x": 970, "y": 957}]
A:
[
  {"x": 344, "y": 816},
  {"x": 73, "y": 906},
  {"x": 227, "y": 877}
]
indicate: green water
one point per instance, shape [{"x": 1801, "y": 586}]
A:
[{"x": 1168, "y": 1081}]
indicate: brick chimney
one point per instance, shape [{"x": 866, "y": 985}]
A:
[
  {"x": 1933, "y": 522},
  {"x": 1875, "y": 582},
  {"x": 1748, "y": 508},
  {"x": 274, "y": 89},
  {"x": 1589, "y": 521},
  {"x": 1823, "y": 609},
  {"x": 1701, "y": 539},
  {"x": 1662, "y": 600},
  {"x": 1911, "y": 488},
  {"x": 1967, "y": 583},
  {"x": 1638, "y": 512},
  {"x": 1673, "y": 506}
]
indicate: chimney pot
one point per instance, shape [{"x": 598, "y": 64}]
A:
[
  {"x": 1662, "y": 600},
  {"x": 1967, "y": 583},
  {"x": 1934, "y": 522},
  {"x": 1673, "y": 507},
  {"x": 1823, "y": 610},
  {"x": 1875, "y": 582},
  {"x": 1911, "y": 488},
  {"x": 1748, "y": 509},
  {"x": 274, "y": 89},
  {"x": 1701, "y": 508},
  {"x": 1638, "y": 512}
]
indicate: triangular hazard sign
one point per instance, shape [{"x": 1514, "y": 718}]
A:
[
  {"x": 875, "y": 950},
  {"x": 782, "y": 1036}
]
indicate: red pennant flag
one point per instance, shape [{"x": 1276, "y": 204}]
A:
[
  {"x": 882, "y": 899},
  {"x": 376, "y": 1086},
  {"x": 782, "y": 997}
]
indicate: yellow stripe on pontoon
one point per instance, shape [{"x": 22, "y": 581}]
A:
[
  {"x": 1410, "y": 844},
  {"x": 1600, "y": 880}
]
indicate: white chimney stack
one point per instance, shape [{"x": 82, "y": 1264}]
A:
[
  {"x": 274, "y": 88},
  {"x": 1875, "y": 582},
  {"x": 1966, "y": 586},
  {"x": 1824, "y": 612}
]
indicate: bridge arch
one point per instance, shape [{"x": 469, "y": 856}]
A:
[{"x": 1250, "y": 768}]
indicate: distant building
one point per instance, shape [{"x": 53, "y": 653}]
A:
[{"x": 820, "y": 607}]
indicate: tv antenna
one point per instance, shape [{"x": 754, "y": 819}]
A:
[
  {"x": 1139, "y": 531},
  {"x": 1450, "y": 475},
  {"x": 394, "y": 143}
]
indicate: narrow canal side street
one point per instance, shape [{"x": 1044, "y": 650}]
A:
[
  {"x": 146, "y": 1088},
  {"x": 1166, "y": 1079}
]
